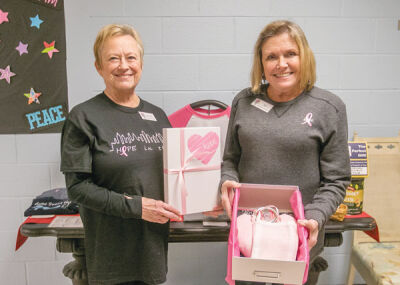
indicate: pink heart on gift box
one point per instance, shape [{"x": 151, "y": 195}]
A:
[{"x": 203, "y": 148}]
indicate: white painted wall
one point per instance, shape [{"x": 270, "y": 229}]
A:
[{"x": 200, "y": 49}]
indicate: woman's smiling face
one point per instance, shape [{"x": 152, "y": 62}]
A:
[
  {"x": 121, "y": 66},
  {"x": 281, "y": 64}
]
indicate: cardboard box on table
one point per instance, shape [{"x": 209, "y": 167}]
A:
[
  {"x": 192, "y": 168},
  {"x": 253, "y": 196}
]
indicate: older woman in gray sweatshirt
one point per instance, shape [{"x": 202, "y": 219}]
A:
[{"x": 286, "y": 131}]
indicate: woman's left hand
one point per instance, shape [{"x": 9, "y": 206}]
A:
[
  {"x": 312, "y": 226},
  {"x": 227, "y": 195}
]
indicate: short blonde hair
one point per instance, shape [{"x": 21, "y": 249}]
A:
[
  {"x": 307, "y": 60},
  {"x": 113, "y": 30}
]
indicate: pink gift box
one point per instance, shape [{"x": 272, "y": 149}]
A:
[
  {"x": 287, "y": 199},
  {"x": 192, "y": 168}
]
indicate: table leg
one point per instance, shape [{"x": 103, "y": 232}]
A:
[
  {"x": 76, "y": 269},
  {"x": 333, "y": 239}
]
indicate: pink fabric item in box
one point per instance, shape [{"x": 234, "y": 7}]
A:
[
  {"x": 245, "y": 235},
  {"x": 277, "y": 241}
]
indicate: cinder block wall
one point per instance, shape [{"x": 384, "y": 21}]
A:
[{"x": 194, "y": 50}]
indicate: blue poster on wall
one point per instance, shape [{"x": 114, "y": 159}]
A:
[{"x": 33, "y": 76}]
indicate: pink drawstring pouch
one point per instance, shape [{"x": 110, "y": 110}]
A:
[{"x": 275, "y": 240}]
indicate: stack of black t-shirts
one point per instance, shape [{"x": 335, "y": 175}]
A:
[{"x": 52, "y": 202}]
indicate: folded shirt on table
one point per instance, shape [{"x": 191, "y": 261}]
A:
[{"x": 52, "y": 202}]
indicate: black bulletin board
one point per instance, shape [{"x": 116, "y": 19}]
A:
[{"x": 33, "y": 76}]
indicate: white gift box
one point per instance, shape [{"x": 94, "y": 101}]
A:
[
  {"x": 192, "y": 168},
  {"x": 253, "y": 196}
]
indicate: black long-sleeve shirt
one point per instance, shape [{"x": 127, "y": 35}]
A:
[{"x": 109, "y": 151}]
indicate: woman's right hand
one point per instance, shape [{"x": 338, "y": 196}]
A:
[
  {"x": 157, "y": 211},
  {"x": 227, "y": 195}
]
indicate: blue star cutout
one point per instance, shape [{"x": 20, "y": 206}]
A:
[{"x": 36, "y": 21}]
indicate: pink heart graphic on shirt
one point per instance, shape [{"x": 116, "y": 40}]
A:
[{"x": 203, "y": 148}]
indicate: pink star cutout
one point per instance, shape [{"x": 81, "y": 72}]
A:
[
  {"x": 22, "y": 48},
  {"x": 6, "y": 74},
  {"x": 3, "y": 17},
  {"x": 49, "y": 48}
]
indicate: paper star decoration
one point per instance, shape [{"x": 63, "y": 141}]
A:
[
  {"x": 6, "y": 74},
  {"x": 36, "y": 21},
  {"x": 49, "y": 48},
  {"x": 22, "y": 48},
  {"x": 32, "y": 96},
  {"x": 3, "y": 17}
]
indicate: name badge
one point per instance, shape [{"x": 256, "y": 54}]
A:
[
  {"x": 262, "y": 105},
  {"x": 147, "y": 116}
]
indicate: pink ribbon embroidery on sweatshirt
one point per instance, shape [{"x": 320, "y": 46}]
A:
[{"x": 308, "y": 120}]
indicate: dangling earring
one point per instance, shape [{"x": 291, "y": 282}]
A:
[{"x": 263, "y": 80}]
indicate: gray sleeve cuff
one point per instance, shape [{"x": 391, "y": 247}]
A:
[
  {"x": 224, "y": 178},
  {"x": 317, "y": 215}
]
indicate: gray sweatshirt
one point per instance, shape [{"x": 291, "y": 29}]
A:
[{"x": 302, "y": 142}]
